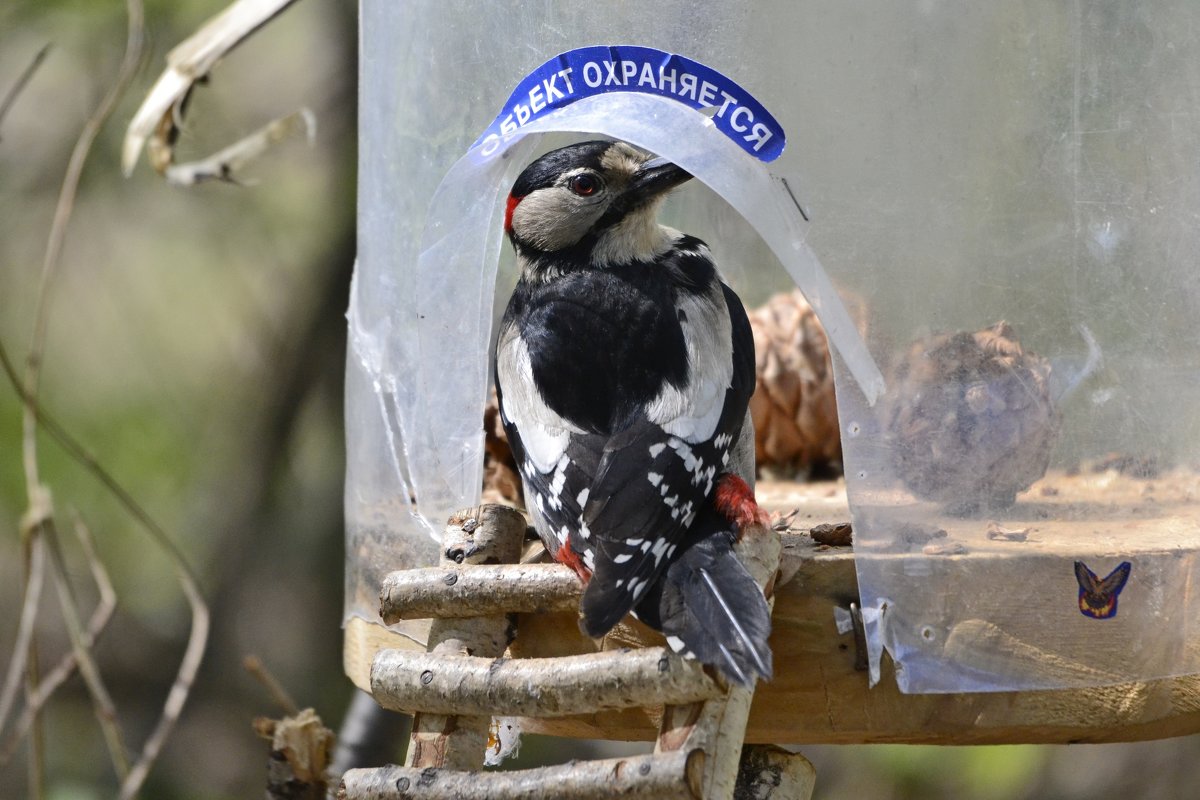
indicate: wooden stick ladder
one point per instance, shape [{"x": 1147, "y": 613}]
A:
[{"x": 455, "y": 688}]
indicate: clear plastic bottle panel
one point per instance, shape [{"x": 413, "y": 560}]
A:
[{"x": 1005, "y": 196}]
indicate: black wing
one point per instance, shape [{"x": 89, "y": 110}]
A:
[{"x": 649, "y": 488}]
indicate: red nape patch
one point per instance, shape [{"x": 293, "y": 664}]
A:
[
  {"x": 508, "y": 212},
  {"x": 566, "y": 555},
  {"x": 736, "y": 501}
]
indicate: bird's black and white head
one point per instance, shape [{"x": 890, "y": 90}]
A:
[{"x": 590, "y": 204}]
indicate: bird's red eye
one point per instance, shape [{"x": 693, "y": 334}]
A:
[{"x": 583, "y": 185}]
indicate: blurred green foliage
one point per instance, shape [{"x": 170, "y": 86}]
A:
[{"x": 196, "y": 348}]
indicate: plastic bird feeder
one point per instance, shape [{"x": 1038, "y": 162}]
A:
[{"x": 1006, "y": 195}]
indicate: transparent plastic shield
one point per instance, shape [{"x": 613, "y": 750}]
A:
[
  {"x": 963, "y": 166},
  {"x": 456, "y": 271},
  {"x": 439, "y": 405},
  {"x": 1026, "y": 169},
  {"x": 431, "y": 83}
]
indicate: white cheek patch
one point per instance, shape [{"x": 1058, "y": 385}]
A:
[{"x": 554, "y": 218}]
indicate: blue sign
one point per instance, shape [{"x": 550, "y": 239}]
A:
[{"x": 595, "y": 70}]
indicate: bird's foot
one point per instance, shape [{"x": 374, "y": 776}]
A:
[{"x": 735, "y": 500}]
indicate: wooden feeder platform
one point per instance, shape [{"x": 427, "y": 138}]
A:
[{"x": 819, "y": 694}]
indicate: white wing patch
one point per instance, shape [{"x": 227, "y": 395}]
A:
[
  {"x": 544, "y": 433},
  {"x": 692, "y": 414}
]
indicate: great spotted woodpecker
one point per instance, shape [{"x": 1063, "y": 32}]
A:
[{"x": 624, "y": 367}]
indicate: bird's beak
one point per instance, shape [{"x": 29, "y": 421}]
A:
[{"x": 654, "y": 178}]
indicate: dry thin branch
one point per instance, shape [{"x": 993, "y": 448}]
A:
[
  {"x": 537, "y": 687},
  {"x": 66, "y": 666},
  {"x": 190, "y": 61},
  {"x": 22, "y": 81},
  {"x": 37, "y": 495},
  {"x": 35, "y": 571},
  {"x": 643, "y": 777},
  {"x": 193, "y": 654},
  {"x": 189, "y": 665},
  {"x": 106, "y": 604},
  {"x": 89, "y": 462},
  {"x": 255, "y": 666},
  {"x": 34, "y": 417},
  {"x": 106, "y": 710},
  {"x": 225, "y": 164},
  {"x": 455, "y": 591},
  {"x": 62, "y": 218}
]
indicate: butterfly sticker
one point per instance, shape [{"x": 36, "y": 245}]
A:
[{"x": 1098, "y": 598}]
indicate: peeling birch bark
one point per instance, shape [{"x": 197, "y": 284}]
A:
[
  {"x": 768, "y": 772},
  {"x": 538, "y": 687},
  {"x": 454, "y": 591},
  {"x": 226, "y": 163},
  {"x": 485, "y": 535},
  {"x": 645, "y": 777},
  {"x": 300, "y": 752},
  {"x": 160, "y": 115}
]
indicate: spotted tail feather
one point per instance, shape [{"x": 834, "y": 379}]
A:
[{"x": 709, "y": 608}]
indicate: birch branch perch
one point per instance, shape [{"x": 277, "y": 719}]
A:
[
  {"x": 488, "y": 534},
  {"x": 538, "y": 687},
  {"x": 645, "y": 777},
  {"x": 448, "y": 592}
]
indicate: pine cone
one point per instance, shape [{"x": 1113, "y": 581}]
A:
[
  {"x": 971, "y": 418},
  {"x": 794, "y": 408},
  {"x": 501, "y": 481}
]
